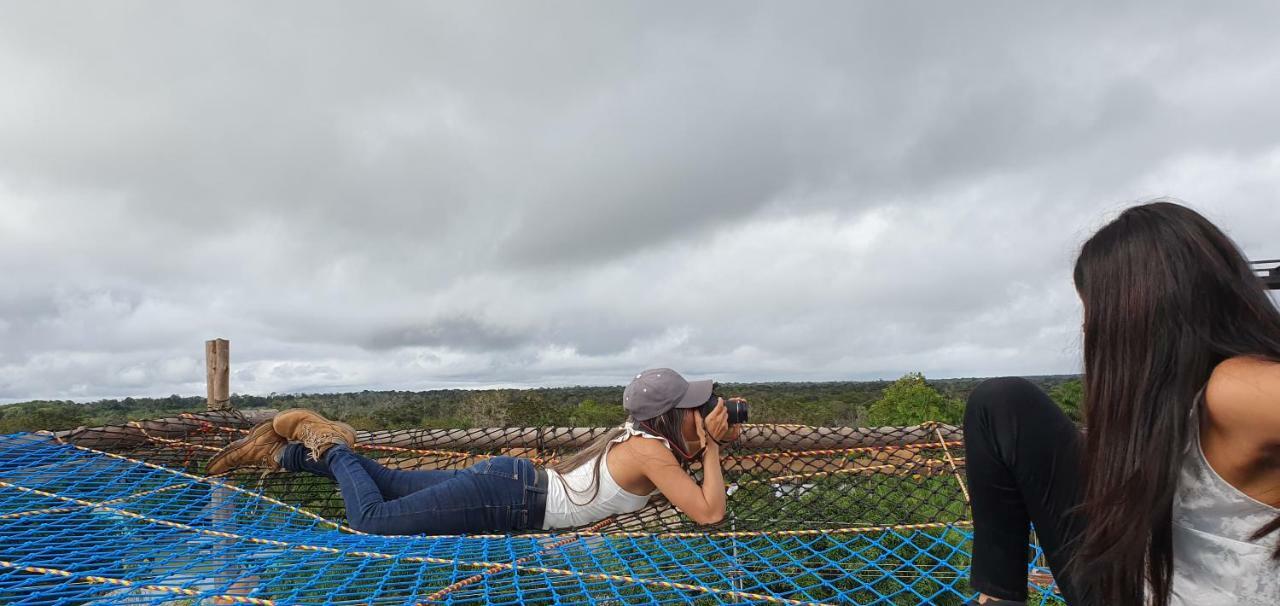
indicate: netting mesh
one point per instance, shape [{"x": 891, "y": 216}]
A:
[{"x": 815, "y": 515}]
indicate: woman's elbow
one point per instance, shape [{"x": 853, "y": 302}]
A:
[{"x": 707, "y": 518}]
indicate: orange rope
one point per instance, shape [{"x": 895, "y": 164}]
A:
[
  {"x": 32, "y": 512},
  {"x": 439, "y": 595},
  {"x": 220, "y": 598},
  {"x": 836, "y": 451},
  {"x": 189, "y": 445}
]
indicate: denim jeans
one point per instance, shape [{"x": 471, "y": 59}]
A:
[{"x": 493, "y": 495}]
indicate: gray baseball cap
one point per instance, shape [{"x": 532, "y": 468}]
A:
[{"x": 657, "y": 390}]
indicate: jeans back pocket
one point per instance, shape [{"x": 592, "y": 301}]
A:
[{"x": 504, "y": 467}]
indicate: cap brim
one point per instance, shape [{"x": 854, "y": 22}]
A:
[{"x": 696, "y": 395}]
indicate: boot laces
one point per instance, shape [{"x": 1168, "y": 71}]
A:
[{"x": 317, "y": 437}]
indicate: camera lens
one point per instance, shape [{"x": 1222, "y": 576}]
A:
[{"x": 737, "y": 411}]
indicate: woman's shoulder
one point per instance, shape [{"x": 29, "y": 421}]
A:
[
  {"x": 643, "y": 443},
  {"x": 1245, "y": 378},
  {"x": 1243, "y": 394},
  {"x": 630, "y": 433},
  {"x": 643, "y": 451}
]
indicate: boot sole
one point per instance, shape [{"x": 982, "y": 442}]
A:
[{"x": 258, "y": 431}]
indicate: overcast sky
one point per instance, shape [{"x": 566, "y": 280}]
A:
[{"x": 419, "y": 195}]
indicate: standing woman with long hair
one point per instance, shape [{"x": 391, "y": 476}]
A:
[{"x": 1171, "y": 495}]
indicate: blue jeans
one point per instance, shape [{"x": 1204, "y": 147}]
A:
[{"x": 496, "y": 495}]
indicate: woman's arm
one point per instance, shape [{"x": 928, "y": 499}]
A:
[
  {"x": 713, "y": 481},
  {"x": 703, "y": 504}
]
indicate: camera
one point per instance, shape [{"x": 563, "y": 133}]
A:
[{"x": 737, "y": 410}]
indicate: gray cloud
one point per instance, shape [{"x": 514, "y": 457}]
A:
[
  {"x": 460, "y": 332},
  {"x": 415, "y": 195}
]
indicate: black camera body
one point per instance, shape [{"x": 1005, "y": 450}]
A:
[{"x": 737, "y": 410}]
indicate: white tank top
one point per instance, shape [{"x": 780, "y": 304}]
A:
[
  {"x": 1214, "y": 562},
  {"x": 563, "y": 508}
]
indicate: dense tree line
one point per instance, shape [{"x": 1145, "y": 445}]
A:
[{"x": 907, "y": 401}]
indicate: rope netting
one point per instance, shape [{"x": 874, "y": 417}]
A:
[{"x": 125, "y": 515}]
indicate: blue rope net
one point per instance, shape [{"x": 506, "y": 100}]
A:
[{"x": 124, "y": 516}]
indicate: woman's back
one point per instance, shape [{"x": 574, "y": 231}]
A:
[{"x": 582, "y": 496}]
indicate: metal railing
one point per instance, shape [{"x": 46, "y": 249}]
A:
[{"x": 1268, "y": 271}]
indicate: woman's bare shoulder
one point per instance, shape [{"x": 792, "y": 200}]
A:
[
  {"x": 1243, "y": 395},
  {"x": 646, "y": 444}
]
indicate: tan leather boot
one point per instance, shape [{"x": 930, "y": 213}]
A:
[
  {"x": 313, "y": 430},
  {"x": 258, "y": 449}
]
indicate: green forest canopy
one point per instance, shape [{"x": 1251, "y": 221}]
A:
[{"x": 907, "y": 401}]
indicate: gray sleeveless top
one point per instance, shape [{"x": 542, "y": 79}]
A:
[{"x": 1214, "y": 562}]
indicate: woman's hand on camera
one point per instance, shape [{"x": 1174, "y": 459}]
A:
[
  {"x": 701, "y": 430},
  {"x": 717, "y": 424}
]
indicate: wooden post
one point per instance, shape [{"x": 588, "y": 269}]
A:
[{"x": 217, "y": 357}]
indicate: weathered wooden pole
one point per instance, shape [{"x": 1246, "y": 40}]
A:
[{"x": 217, "y": 357}]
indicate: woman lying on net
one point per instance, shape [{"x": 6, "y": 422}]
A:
[{"x": 616, "y": 474}]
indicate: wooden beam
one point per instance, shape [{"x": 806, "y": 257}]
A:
[
  {"x": 542, "y": 439},
  {"x": 570, "y": 438},
  {"x": 217, "y": 357},
  {"x": 113, "y": 437}
]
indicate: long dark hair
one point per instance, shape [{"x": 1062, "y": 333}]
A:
[
  {"x": 1167, "y": 297},
  {"x": 668, "y": 425}
]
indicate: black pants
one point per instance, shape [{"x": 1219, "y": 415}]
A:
[{"x": 1023, "y": 460}]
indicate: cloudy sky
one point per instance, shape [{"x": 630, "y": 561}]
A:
[{"x": 418, "y": 195}]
